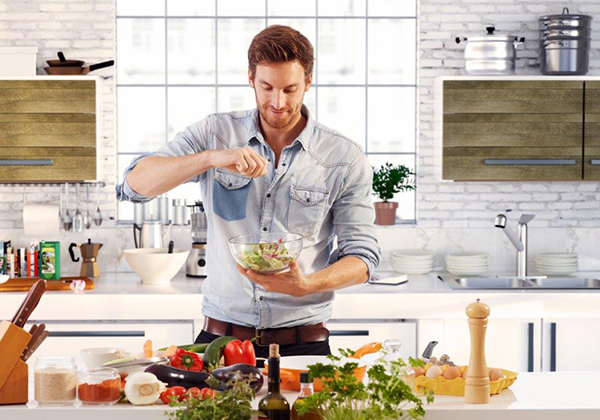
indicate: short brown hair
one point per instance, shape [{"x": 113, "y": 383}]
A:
[{"x": 280, "y": 44}]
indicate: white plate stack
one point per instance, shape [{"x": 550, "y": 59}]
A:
[
  {"x": 556, "y": 264},
  {"x": 467, "y": 264},
  {"x": 412, "y": 261}
]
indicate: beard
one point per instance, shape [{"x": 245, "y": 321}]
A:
[{"x": 288, "y": 115}]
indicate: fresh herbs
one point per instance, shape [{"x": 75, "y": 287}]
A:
[
  {"x": 344, "y": 397},
  {"x": 389, "y": 180}
]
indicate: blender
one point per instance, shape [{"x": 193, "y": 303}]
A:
[{"x": 196, "y": 262}]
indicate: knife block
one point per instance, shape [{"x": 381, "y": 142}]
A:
[{"x": 14, "y": 373}]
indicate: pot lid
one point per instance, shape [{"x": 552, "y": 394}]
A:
[
  {"x": 566, "y": 15},
  {"x": 490, "y": 36}
]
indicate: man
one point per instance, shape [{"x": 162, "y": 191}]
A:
[{"x": 272, "y": 169}]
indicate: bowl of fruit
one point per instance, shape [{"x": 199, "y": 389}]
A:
[{"x": 266, "y": 253}]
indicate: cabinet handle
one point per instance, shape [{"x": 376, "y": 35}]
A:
[
  {"x": 348, "y": 333},
  {"x": 595, "y": 162},
  {"x": 530, "y": 327},
  {"x": 97, "y": 334},
  {"x": 529, "y": 161},
  {"x": 31, "y": 162},
  {"x": 553, "y": 347}
]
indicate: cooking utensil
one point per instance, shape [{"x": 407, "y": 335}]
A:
[
  {"x": 63, "y": 62},
  {"x": 35, "y": 345},
  {"x": 98, "y": 214},
  {"x": 67, "y": 220},
  {"x": 78, "y": 219},
  {"x": 29, "y": 304},
  {"x": 171, "y": 245},
  {"x": 74, "y": 71},
  {"x": 565, "y": 20},
  {"x": 87, "y": 220},
  {"x": 35, "y": 331}
]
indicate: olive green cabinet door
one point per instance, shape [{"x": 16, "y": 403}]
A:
[
  {"x": 512, "y": 130},
  {"x": 591, "y": 151},
  {"x": 47, "y": 130}
]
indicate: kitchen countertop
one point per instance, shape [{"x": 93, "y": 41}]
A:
[{"x": 551, "y": 396}]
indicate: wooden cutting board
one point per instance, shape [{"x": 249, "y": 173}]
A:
[{"x": 24, "y": 284}]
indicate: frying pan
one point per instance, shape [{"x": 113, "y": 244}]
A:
[
  {"x": 73, "y": 71},
  {"x": 63, "y": 62}
]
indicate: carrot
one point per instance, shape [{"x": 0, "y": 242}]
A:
[
  {"x": 170, "y": 351},
  {"x": 148, "y": 349}
]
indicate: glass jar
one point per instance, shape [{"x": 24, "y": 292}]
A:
[
  {"x": 392, "y": 354},
  {"x": 99, "y": 386},
  {"x": 55, "y": 380}
]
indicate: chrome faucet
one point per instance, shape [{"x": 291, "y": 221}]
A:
[{"x": 519, "y": 240}]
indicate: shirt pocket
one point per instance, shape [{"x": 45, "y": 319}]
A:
[
  {"x": 230, "y": 195},
  {"x": 306, "y": 210}
]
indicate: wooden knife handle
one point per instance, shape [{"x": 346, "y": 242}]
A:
[
  {"x": 29, "y": 304},
  {"x": 35, "y": 345}
]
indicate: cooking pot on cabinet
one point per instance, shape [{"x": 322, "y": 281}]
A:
[{"x": 565, "y": 20}]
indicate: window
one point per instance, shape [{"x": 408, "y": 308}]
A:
[{"x": 179, "y": 60}]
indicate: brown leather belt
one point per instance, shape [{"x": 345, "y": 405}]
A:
[{"x": 282, "y": 336}]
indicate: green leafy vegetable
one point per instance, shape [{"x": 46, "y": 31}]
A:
[{"x": 266, "y": 257}]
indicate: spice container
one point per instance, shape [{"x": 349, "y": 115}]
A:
[
  {"x": 55, "y": 380},
  {"x": 99, "y": 386}
]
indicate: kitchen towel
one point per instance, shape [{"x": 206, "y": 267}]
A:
[{"x": 41, "y": 221}]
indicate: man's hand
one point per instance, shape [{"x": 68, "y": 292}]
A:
[
  {"x": 292, "y": 282},
  {"x": 242, "y": 160}
]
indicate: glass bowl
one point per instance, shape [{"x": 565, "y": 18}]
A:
[{"x": 266, "y": 253}]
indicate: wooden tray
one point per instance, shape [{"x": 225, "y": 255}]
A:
[{"x": 24, "y": 284}]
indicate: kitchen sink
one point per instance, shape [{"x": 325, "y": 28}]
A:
[{"x": 483, "y": 283}]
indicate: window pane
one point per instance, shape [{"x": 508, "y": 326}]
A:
[
  {"x": 190, "y": 8},
  {"x": 141, "y": 119},
  {"x": 392, "y": 8},
  {"x": 241, "y": 7},
  {"x": 392, "y": 51},
  {"x": 343, "y": 8},
  {"x": 124, "y": 209},
  {"x": 406, "y": 200},
  {"x": 343, "y": 109},
  {"x": 188, "y": 105},
  {"x": 341, "y": 51},
  {"x": 291, "y": 8},
  {"x": 235, "y": 99},
  {"x": 191, "y": 51},
  {"x": 391, "y": 119},
  {"x": 140, "y": 8},
  {"x": 235, "y": 36},
  {"x": 141, "y": 51},
  {"x": 190, "y": 191},
  {"x": 310, "y": 100}
]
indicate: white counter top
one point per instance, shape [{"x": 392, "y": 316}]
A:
[{"x": 548, "y": 396}]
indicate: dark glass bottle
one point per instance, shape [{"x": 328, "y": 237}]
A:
[
  {"x": 306, "y": 390},
  {"x": 274, "y": 405}
]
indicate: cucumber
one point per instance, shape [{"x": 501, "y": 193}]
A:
[
  {"x": 194, "y": 348},
  {"x": 214, "y": 352}
]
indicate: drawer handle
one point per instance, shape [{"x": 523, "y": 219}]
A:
[
  {"x": 348, "y": 333},
  {"x": 31, "y": 162},
  {"x": 530, "y": 162},
  {"x": 97, "y": 334},
  {"x": 595, "y": 162}
]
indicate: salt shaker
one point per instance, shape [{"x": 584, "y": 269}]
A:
[{"x": 477, "y": 389}]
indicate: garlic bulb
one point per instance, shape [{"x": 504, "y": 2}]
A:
[{"x": 143, "y": 388}]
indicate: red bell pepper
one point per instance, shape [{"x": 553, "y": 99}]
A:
[
  {"x": 187, "y": 360},
  {"x": 237, "y": 352}
]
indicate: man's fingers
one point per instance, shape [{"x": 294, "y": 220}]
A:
[{"x": 241, "y": 164}]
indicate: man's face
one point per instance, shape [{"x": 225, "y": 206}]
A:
[{"x": 279, "y": 90}]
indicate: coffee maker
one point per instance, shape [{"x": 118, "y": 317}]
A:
[
  {"x": 89, "y": 253},
  {"x": 196, "y": 261}
]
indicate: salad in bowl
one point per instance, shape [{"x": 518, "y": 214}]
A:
[{"x": 266, "y": 253}]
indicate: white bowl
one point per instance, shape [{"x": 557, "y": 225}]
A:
[
  {"x": 97, "y": 356},
  {"x": 156, "y": 266}
]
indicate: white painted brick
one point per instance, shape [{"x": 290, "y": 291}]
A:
[
  {"x": 52, "y": 7},
  {"x": 455, "y": 223},
  {"x": 560, "y": 205},
  {"x": 586, "y": 205},
  {"x": 545, "y": 197}
]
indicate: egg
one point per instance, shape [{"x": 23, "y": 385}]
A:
[
  {"x": 452, "y": 372},
  {"x": 463, "y": 370},
  {"x": 496, "y": 374},
  {"x": 419, "y": 371},
  {"x": 434, "y": 372}
]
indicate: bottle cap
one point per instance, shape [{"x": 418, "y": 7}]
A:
[{"x": 304, "y": 377}]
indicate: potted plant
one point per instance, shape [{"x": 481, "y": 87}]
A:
[{"x": 387, "y": 181}]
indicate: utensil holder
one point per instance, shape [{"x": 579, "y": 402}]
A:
[{"x": 14, "y": 373}]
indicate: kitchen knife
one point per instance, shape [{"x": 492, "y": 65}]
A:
[
  {"x": 35, "y": 345},
  {"x": 35, "y": 331},
  {"x": 29, "y": 304}
]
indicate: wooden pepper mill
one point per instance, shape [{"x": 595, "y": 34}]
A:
[{"x": 477, "y": 389}]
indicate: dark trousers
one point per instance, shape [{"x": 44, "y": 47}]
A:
[{"x": 320, "y": 348}]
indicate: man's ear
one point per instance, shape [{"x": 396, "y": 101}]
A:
[
  {"x": 250, "y": 79},
  {"x": 307, "y": 82}
]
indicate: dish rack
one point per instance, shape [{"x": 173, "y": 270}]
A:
[{"x": 14, "y": 373}]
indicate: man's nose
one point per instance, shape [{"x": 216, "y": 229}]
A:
[{"x": 279, "y": 100}]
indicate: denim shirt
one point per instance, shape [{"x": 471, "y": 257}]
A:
[{"x": 321, "y": 190}]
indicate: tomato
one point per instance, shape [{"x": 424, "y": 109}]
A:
[
  {"x": 175, "y": 393},
  {"x": 193, "y": 392},
  {"x": 207, "y": 393}
]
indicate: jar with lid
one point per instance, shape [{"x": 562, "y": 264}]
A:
[
  {"x": 99, "y": 386},
  {"x": 55, "y": 380},
  {"x": 391, "y": 354}
]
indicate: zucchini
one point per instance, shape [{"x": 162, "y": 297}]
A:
[
  {"x": 214, "y": 352},
  {"x": 194, "y": 348}
]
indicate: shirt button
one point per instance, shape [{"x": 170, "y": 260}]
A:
[
  {"x": 269, "y": 195},
  {"x": 264, "y": 229},
  {"x": 269, "y": 159},
  {"x": 283, "y": 164},
  {"x": 230, "y": 184},
  {"x": 261, "y": 298}
]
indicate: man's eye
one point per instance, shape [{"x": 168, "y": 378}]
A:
[
  {"x": 289, "y": 91},
  {"x": 267, "y": 87}
]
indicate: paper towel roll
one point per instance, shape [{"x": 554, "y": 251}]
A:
[{"x": 41, "y": 221}]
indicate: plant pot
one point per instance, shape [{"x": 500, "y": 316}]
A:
[{"x": 385, "y": 212}]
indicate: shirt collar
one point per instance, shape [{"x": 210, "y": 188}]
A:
[{"x": 303, "y": 138}]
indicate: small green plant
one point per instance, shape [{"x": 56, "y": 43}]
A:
[{"x": 389, "y": 180}]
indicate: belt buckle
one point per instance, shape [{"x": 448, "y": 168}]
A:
[{"x": 257, "y": 337}]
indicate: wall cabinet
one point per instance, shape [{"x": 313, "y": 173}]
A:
[
  {"x": 48, "y": 129},
  {"x": 591, "y": 141}
]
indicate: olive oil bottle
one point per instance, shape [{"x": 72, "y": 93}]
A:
[
  {"x": 274, "y": 405},
  {"x": 306, "y": 390}
]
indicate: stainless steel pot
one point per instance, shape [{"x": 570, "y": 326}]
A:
[
  {"x": 552, "y": 44},
  {"x": 565, "y": 20},
  {"x": 490, "y": 54},
  {"x": 565, "y": 61},
  {"x": 566, "y": 33}
]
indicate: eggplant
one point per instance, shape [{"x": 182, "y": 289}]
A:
[
  {"x": 248, "y": 372},
  {"x": 179, "y": 377}
]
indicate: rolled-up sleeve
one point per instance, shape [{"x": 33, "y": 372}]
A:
[
  {"x": 354, "y": 215},
  {"x": 194, "y": 139}
]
